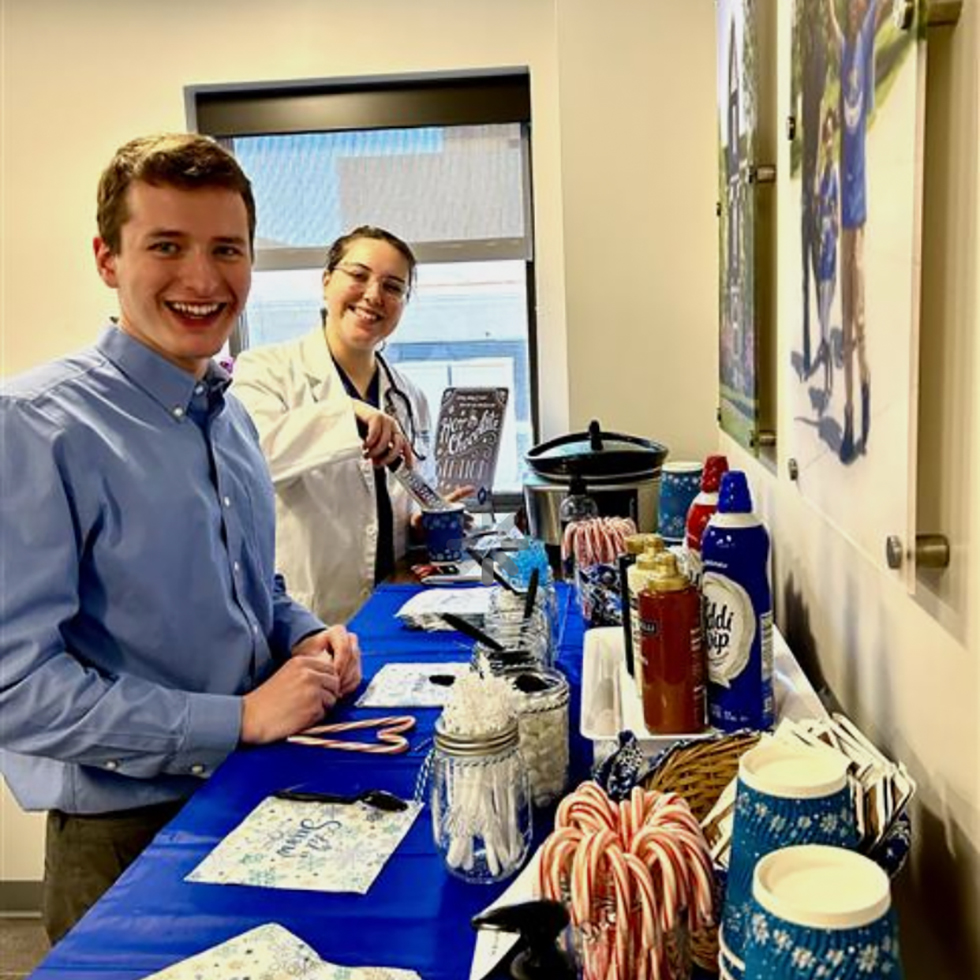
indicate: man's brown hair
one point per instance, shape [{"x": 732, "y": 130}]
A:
[{"x": 187, "y": 161}]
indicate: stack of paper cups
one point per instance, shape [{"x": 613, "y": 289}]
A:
[{"x": 786, "y": 795}]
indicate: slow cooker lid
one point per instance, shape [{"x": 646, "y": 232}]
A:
[{"x": 595, "y": 453}]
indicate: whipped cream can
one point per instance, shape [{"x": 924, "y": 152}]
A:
[{"x": 737, "y": 611}]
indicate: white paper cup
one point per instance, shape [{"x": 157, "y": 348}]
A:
[
  {"x": 793, "y": 772},
  {"x": 820, "y": 908},
  {"x": 816, "y": 885}
]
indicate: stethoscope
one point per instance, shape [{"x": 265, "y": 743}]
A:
[
  {"x": 393, "y": 398},
  {"x": 399, "y": 406}
]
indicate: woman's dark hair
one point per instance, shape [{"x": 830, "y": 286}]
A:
[
  {"x": 187, "y": 161},
  {"x": 337, "y": 251}
]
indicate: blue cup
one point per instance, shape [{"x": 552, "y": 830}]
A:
[
  {"x": 680, "y": 483},
  {"x": 444, "y": 531},
  {"x": 819, "y": 912},
  {"x": 786, "y": 794}
]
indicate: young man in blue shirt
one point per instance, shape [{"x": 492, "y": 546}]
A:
[{"x": 144, "y": 631}]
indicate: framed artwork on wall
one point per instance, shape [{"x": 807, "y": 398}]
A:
[
  {"x": 746, "y": 114},
  {"x": 852, "y": 263}
]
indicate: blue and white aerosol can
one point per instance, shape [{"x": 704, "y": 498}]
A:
[{"x": 737, "y": 605}]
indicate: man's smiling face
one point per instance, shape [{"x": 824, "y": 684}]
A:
[{"x": 183, "y": 270}]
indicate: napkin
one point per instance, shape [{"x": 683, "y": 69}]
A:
[
  {"x": 424, "y": 610},
  {"x": 270, "y": 952},
  {"x": 399, "y": 685},
  {"x": 324, "y": 847}
]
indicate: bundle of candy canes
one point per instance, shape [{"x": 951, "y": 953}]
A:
[
  {"x": 596, "y": 540},
  {"x": 589, "y": 550},
  {"x": 629, "y": 873}
]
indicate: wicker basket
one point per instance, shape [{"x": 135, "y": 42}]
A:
[{"x": 699, "y": 771}]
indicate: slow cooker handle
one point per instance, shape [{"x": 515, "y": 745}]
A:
[{"x": 595, "y": 436}]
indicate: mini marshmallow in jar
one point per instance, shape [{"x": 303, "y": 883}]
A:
[
  {"x": 481, "y": 806},
  {"x": 541, "y": 697}
]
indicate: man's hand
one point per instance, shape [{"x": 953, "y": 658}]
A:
[
  {"x": 296, "y": 696},
  {"x": 384, "y": 440},
  {"x": 340, "y": 648}
]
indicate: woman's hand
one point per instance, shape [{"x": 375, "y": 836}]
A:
[{"x": 384, "y": 441}]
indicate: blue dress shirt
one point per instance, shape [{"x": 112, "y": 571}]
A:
[{"x": 138, "y": 595}]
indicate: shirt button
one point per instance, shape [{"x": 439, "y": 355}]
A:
[
  {"x": 198, "y": 769},
  {"x": 112, "y": 765},
  {"x": 198, "y": 389},
  {"x": 178, "y": 412},
  {"x": 255, "y": 629},
  {"x": 226, "y": 501},
  {"x": 237, "y": 568}
]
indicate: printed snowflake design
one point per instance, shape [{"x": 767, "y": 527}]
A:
[
  {"x": 802, "y": 957},
  {"x": 760, "y": 928},
  {"x": 782, "y": 939},
  {"x": 761, "y": 809},
  {"x": 805, "y": 822},
  {"x": 867, "y": 958},
  {"x": 835, "y": 957},
  {"x": 828, "y": 823},
  {"x": 777, "y": 823},
  {"x": 821, "y": 971}
]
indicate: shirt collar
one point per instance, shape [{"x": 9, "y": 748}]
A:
[{"x": 166, "y": 383}]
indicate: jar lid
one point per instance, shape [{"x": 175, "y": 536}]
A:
[{"x": 476, "y": 744}]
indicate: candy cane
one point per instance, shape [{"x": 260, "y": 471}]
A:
[{"x": 389, "y": 742}]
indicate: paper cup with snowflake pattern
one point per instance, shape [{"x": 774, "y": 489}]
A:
[{"x": 821, "y": 913}]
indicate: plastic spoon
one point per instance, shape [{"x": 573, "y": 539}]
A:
[{"x": 380, "y": 799}]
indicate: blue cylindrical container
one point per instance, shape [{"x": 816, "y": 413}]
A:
[{"x": 737, "y": 605}]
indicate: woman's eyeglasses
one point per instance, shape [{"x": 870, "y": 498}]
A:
[{"x": 393, "y": 288}]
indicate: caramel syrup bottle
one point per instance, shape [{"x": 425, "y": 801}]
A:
[{"x": 672, "y": 655}]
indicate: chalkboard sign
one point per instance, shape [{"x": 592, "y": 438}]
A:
[{"x": 468, "y": 438}]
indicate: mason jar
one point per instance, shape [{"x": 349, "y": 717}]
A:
[
  {"x": 541, "y": 697},
  {"x": 481, "y": 806},
  {"x": 505, "y": 616}
]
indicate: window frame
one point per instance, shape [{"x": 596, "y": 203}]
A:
[{"x": 459, "y": 98}]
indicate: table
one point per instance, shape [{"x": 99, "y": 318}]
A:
[{"x": 415, "y": 915}]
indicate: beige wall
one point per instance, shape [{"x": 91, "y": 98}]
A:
[{"x": 624, "y": 155}]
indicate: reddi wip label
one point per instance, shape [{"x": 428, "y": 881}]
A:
[{"x": 739, "y": 654}]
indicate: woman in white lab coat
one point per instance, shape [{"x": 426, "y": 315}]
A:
[{"x": 331, "y": 413}]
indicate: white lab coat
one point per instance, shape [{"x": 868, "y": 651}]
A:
[{"x": 326, "y": 510}]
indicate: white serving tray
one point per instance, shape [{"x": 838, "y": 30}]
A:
[{"x": 611, "y": 702}]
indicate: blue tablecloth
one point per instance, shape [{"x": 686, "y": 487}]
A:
[{"x": 415, "y": 915}]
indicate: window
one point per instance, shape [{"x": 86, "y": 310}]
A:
[{"x": 453, "y": 181}]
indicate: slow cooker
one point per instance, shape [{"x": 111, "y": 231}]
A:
[{"x": 621, "y": 472}]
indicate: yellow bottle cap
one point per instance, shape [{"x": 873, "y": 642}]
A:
[{"x": 666, "y": 576}]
